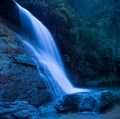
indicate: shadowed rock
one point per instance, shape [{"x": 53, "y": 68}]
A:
[
  {"x": 18, "y": 110},
  {"x": 10, "y": 12},
  {"x": 19, "y": 78},
  {"x": 82, "y": 102}
]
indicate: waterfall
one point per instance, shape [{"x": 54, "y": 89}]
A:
[{"x": 41, "y": 46}]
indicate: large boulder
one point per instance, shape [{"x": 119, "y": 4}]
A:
[
  {"x": 19, "y": 78},
  {"x": 86, "y": 102}
]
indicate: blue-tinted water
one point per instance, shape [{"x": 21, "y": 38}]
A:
[
  {"x": 113, "y": 113},
  {"x": 43, "y": 50}
]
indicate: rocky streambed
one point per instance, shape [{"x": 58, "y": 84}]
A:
[
  {"x": 78, "y": 105},
  {"x": 110, "y": 114}
]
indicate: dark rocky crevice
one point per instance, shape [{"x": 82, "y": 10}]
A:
[{"x": 24, "y": 63}]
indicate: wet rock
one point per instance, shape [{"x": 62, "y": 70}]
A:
[
  {"x": 86, "y": 101},
  {"x": 19, "y": 78},
  {"x": 18, "y": 110},
  {"x": 47, "y": 109}
]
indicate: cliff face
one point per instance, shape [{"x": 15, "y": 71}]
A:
[
  {"x": 19, "y": 79},
  {"x": 86, "y": 32}
]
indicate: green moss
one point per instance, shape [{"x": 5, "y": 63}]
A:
[{"x": 64, "y": 13}]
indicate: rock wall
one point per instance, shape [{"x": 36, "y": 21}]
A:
[
  {"x": 19, "y": 78},
  {"x": 87, "y": 34}
]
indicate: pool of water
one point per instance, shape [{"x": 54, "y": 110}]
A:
[
  {"x": 113, "y": 113},
  {"x": 110, "y": 114}
]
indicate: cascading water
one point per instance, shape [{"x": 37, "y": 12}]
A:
[{"x": 41, "y": 46}]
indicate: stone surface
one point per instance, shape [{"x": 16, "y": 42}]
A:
[
  {"x": 19, "y": 78},
  {"x": 18, "y": 110},
  {"x": 47, "y": 109},
  {"x": 86, "y": 102}
]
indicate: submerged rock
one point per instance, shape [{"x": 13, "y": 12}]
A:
[
  {"x": 86, "y": 101},
  {"x": 18, "y": 110}
]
